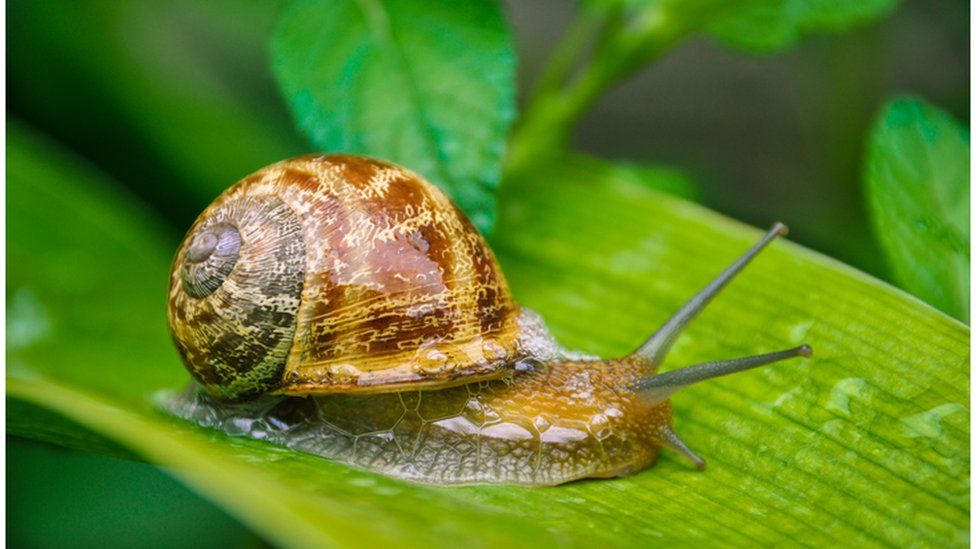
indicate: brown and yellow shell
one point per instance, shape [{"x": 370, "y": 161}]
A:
[{"x": 335, "y": 273}]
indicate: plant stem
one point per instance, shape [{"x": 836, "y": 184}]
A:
[
  {"x": 559, "y": 102},
  {"x": 566, "y": 56}
]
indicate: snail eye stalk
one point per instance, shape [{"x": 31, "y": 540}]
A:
[
  {"x": 656, "y": 348},
  {"x": 658, "y": 388}
]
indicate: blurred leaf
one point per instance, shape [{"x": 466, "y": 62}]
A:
[
  {"x": 173, "y": 97},
  {"x": 917, "y": 179},
  {"x": 41, "y": 424},
  {"x": 428, "y": 85},
  {"x": 770, "y": 25},
  {"x": 666, "y": 180},
  {"x": 59, "y": 503},
  {"x": 866, "y": 444},
  {"x": 87, "y": 273},
  {"x": 764, "y": 26},
  {"x": 612, "y": 39}
]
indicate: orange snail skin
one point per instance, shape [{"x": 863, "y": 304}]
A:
[{"x": 344, "y": 307}]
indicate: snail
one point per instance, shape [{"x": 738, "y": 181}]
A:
[{"x": 344, "y": 306}]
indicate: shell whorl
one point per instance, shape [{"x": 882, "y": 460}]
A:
[
  {"x": 210, "y": 258},
  {"x": 235, "y": 291},
  {"x": 351, "y": 274}
]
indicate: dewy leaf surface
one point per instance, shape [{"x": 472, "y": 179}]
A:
[
  {"x": 917, "y": 178},
  {"x": 866, "y": 444},
  {"x": 429, "y": 86}
]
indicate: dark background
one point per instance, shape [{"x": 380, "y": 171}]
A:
[{"x": 775, "y": 135}]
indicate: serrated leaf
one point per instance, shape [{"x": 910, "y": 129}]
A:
[
  {"x": 430, "y": 86},
  {"x": 770, "y": 25},
  {"x": 866, "y": 444},
  {"x": 917, "y": 182}
]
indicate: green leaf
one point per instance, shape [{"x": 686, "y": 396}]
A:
[
  {"x": 427, "y": 85},
  {"x": 771, "y": 25},
  {"x": 917, "y": 182},
  {"x": 88, "y": 270},
  {"x": 172, "y": 88},
  {"x": 666, "y": 180},
  {"x": 866, "y": 444}
]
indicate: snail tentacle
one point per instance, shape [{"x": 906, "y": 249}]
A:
[
  {"x": 671, "y": 440},
  {"x": 656, "y": 347},
  {"x": 659, "y": 387}
]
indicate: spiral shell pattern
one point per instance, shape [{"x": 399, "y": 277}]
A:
[
  {"x": 234, "y": 293},
  {"x": 350, "y": 275}
]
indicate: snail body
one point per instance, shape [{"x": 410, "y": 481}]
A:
[
  {"x": 538, "y": 429},
  {"x": 344, "y": 306}
]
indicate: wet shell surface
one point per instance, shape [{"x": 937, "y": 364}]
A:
[{"x": 335, "y": 273}]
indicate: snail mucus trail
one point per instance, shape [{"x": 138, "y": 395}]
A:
[{"x": 344, "y": 307}]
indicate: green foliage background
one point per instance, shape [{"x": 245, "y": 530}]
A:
[{"x": 128, "y": 117}]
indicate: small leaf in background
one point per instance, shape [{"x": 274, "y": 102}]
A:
[
  {"x": 770, "y": 25},
  {"x": 866, "y": 444},
  {"x": 430, "y": 86},
  {"x": 917, "y": 183}
]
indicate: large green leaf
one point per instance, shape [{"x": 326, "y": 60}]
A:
[
  {"x": 865, "y": 444},
  {"x": 917, "y": 178},
  {"x": 770, "y": 25},
  {"x": 430, "y": 86}
]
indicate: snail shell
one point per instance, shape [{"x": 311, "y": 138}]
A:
[{"x": 335, "y": 273}]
